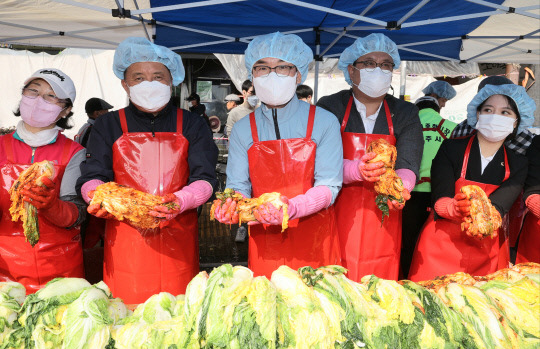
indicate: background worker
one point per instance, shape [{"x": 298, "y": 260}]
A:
[
  {"x": 134, "y": 147},
  {"x": 249, "y": 105},
  {"x": 232, "y": 101},
  {"x": 367, "y": 113},
  {"x": 304, "y": 93},
  {"x": 435, "y": 130},
  {"x": 94, "y": 107},
  {"x": 289, "y": 147}
]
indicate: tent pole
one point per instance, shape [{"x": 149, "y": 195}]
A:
[
  {"x": 317, "y": 59},
  {"x": 402, "y": 80}
]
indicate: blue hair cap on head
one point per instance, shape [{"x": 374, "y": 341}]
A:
[
  {"x": 287, "y": 47},
  {"x": 524, "y": 102},
  {"x": 135, "y": 50},
  {"x": 372, "y": 43},
  {"x": 441, "y": 89}
]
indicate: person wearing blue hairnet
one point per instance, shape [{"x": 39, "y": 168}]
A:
[
  {"x": 154, "y": 147},
  {"x": 369, "y": 244},
  {"x": 435, "y": 129},
  {"x": 450, "y": 242},
  {"x": 289, "y": 147}
]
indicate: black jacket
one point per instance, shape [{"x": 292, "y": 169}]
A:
[
  {"x": 446, "y": 169},
  {"x": 202, "y": 152},
  {"x": 532, "y": 184},
  {"x": 407, "y": 126}
]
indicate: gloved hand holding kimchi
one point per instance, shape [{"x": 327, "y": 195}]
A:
[{"x": 483, "y": 219}]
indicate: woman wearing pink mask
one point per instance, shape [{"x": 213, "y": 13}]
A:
[
  {"x": 45, "y": 108},
  {"x": 497, "y": 113}
]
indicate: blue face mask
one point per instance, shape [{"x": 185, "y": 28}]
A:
[{"x": 253, "y": 100}]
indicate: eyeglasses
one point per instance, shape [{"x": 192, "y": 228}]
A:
[
  {"x": 49, "y": 98},
  {"x": 371, "y": 65},
  {"x": 281, "y": 70}
]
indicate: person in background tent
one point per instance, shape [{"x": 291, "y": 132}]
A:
[
  {"x": 497, "y": 113},
  {"x": 249, "y": 105},
  {"x": 367, "y": 113},
  {"x": 94, "y": 107},
  {"x": 45, "y": 109},
  {"x": 289, "y": 147},
  {"x": 137, "y": 266},
  {"x": 304, "y": 93},
  {"x": 232, "y": 101},
  {"x": 435, "y": 130},
  {"x": 529, "y": 240},
  {"x": 198, "y": 108}
]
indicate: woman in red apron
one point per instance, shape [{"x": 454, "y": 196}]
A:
[
  {"x": 45, "y": 109},
  {"x": 368, "y": 113},
  {"x": 529, "y": 240},
  {"x": 154, "y": 147},
  {"x": 480, "y": 160},
  {"x": 290, "y": 147}
]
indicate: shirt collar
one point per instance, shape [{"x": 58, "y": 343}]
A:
[
  {"x": 362, "y": 110},
  {"x": 17, "y": 137}
]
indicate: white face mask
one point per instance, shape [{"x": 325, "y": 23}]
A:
[
  {"x": 150, "y": 95},
  {"x": 275, "y": 90},
  {"x": 253, "y": 100},
  {"x": 495, "y": 127},
  {"x": 374, "y": 83}
]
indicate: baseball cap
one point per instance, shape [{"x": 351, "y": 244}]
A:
[
  {"x": 215, "y": 123},
  {"x": 95, "y": 103},
  {"x": 193, "y": 97},
  {"x": 232, "y": 97},
  {"x": 61, "y": 84}
]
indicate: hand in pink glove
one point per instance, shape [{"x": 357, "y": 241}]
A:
[
  {"x": 533, "y": 204},
  {"x": 394, "y": 205},
  {"x": 96, "y": 209},
  {"x": 269, "y": 214},
  {"x": 226, "y": 212},
  {"x": 42, "y": 197},
  {"x": 171, "y": 208},
  {"x": 456, "y": 208},
  {"x": 370, "y": 172}
]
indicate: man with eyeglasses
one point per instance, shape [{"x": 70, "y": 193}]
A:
[
  {"x": 289, "y": 147},
  {"x": 250, "y": 102},
  {"x": 367, "y": 113}
]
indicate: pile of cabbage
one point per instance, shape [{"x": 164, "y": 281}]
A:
[{"x": 305, "y": 308}]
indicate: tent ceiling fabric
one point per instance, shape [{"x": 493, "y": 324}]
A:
[{"x": 428, "y": 29}]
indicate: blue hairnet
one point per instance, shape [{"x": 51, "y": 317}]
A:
[
  {"x": 135, "y": 49},
  {"x": 525, "y": 104},
  {"x": 372, "y": 43},
  {"x": 441, "y": 89},
  {"x": 287, "y": 47}
]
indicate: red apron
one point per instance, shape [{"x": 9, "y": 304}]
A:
[
  {"x": 444, "y": 249},
  {"x": 367, "y": 247},
  {"x": 58, "y": 252},
  {"x": 529, "y": 241},
  {"x": 140, "y": 264},
  {"x": 287, "y": 166}
]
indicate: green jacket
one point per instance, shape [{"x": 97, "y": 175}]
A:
[{"x": 434, "y": 133}]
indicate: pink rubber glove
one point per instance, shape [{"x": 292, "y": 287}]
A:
[
  {"x": 407, "y": 177},
  {"x": 455, "y": 208},
  {"x": 269, "y": 214},
  {"x": 89, "y": 186},
  {"x": 226, "y": 212},
  {"x": 533, "y": 204},
  {"x": 167, "y": 213},
  {"x": 370, "y": 172}
]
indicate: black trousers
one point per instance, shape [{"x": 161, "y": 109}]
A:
[{"x": 415, "y": 214}]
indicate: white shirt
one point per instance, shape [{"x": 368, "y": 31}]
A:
[
  {"x": 485, "y": 161},
  {"x": 369, "y": 121}
]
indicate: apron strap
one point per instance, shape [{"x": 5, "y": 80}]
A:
[
  {"x": 311, "y": 121},
  {"x": 9, "y": 149},
  {"x": 179, "y": 120},
  {"x": 466, "y": 161},
  {"x": 389, "y": 118},
  {"x": 123, "y": 122},
  {"x": 347, "y": 114},
  {"x": 253, "y": 126},
  {"x": 424, "y": 180},
  {"x": 65, "y": 153}
]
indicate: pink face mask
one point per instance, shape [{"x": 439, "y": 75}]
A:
[{"x": 38, "y": 113}]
